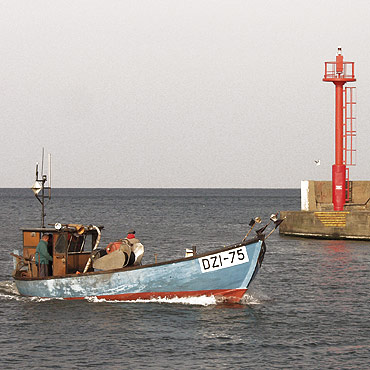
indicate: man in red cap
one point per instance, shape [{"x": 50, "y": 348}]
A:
[{"x": 131, "y": 234}]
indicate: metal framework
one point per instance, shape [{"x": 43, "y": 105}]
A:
[
  {"x": 340, "y": 72},
  {"x": 349, "y": 136}
]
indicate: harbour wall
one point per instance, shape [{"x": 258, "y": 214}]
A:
[
  {"x": 317, "y": 218},
  {"x": 317, "y": 196}
]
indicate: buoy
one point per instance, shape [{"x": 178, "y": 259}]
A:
[{"x": 113, "y": 247}]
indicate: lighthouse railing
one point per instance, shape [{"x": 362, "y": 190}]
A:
[{"x": 331, "y": 71}]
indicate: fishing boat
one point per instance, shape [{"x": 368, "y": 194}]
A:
[{"x": 80, "y": 269}]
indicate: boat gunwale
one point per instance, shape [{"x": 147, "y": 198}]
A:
[{"x": 131, "y": 268}]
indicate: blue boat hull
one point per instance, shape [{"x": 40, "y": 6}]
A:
[{"x": 224, "y": 273}]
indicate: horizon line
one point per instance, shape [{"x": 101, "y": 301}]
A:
[{"x": 158, "y": 188}]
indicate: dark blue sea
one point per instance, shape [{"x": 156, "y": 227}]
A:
[{"x": 307, "y": 309}]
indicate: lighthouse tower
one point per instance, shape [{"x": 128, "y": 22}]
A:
[
  {"x": 340, "y": 72},
  {"x": 337, "y": 209}
]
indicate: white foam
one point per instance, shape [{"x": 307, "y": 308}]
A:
[
  {"x": 249, "y": 299},
  {"x": 10, "y": 297},
  {"x": 197, "y": 301},
  {"x": 39, "y": 299},
  {"x": 254, "y": 298},
  {"x": 8, "y": 290}
]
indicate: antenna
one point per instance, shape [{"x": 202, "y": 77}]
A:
[
  {"x": 39, "y": 186},
  {"x": 42, "y": 162},
  {"x": 49, "y": 173}
]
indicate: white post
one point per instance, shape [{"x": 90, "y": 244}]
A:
[{"x": 304, "y": 195}]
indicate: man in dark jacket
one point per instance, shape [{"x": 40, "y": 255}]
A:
[{"x": 42, "y": 257}]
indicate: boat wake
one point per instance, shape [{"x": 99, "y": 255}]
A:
[
  {"x": 194, "y": 301},
  {"x": 249, "y": 299},
  {"x": 254, "y": 298},
  {"x": 8, "y": 291}
]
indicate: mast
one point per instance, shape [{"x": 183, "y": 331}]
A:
[{"x": 39, "y": 186}]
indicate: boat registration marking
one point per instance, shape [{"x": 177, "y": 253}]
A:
[{"x": 224, "y": 259}]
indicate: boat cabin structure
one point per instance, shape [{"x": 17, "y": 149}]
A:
[{"x": 70, "y": 246}]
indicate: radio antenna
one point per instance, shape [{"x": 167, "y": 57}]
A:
[
  {"x": 49, "y": 173},
  {"x": 39, "y": 186},
  {"x": 42, "y": 162}
]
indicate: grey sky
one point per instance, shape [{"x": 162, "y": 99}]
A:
[{"x": 177, "y": 93}]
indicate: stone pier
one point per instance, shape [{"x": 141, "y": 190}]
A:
[{"x": 317, "y": 218}]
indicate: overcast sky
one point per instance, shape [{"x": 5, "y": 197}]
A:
[{"x": 177, "y": 93}]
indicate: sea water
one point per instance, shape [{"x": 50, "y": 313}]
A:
[{"x": 308, "y": 307}]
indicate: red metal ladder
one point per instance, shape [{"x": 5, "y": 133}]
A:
[{"x": 349, "y": 135}]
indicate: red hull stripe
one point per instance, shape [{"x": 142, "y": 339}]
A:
[{"x": 229, "y": 295}]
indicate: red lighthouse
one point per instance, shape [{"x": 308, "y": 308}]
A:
[{"x": 340, "y": 72}]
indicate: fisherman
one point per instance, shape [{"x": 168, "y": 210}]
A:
[
  {"x": 121, "y": 253},
  {"x": 50, "y": 251},
  {"x": 42, "y": 256},
  {"x": 129, "y": 240},
  {"x": 137, "y": 249},
  {"x": 131, "y": 234}
]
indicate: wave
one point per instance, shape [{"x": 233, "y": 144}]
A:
[
  {"x": 254, "y": 298},
  {"x": 195, "y": 301},
  {"x": 8, "y": 291},
  {"x": 247, "y": 300}
]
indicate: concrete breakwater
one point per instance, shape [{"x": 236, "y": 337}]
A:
[{"x": 317, "y": 218}]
